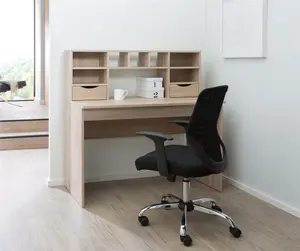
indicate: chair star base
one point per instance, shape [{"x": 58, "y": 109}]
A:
[{"x": 186, "y": 205}]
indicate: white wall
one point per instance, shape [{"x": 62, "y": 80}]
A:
[
  {"x": 260, "y": 116},
  {"x": 113, "y": 25},
  {"x": 261, "y": 119}
]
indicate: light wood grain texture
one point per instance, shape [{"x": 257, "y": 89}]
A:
[
  {"x": 124, "y": 59},
  {"x": 128, "y": 128},
  {"x": 136, "y": 103},
  {"x": 118, "y": 111},
  {"x": 8, "y": 135},
  {"x": 87, "y": 59},
  {"x": 75, "y": 172},
  {"x": 30, "y": 142},
  {"x": 34, "y": 217},
  {"x": 137, "y": 113},
  {"x": 95, "y": 92},
  {"x": 24, "y": 126},
  {"x": 110, "y": 110},
  {"x": 181, "y": 59},
  {"x": 93, "y": 67},
  {"x": 183, "y": 90},
  {"x": 85, "y": 69},
  {"x": 68, "y": 79},
  {"x": 20, "y": 126},
  {"x": 90, "y": 75}
]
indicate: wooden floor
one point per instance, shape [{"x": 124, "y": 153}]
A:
[
  {"x": 28, "y": 110},
  {"x": 34, "y": 217}
]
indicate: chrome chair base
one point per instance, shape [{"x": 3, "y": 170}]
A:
[{"x": 171, "y": 201}]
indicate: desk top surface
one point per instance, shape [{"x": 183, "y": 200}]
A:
[{"x": 134, "y": 102}]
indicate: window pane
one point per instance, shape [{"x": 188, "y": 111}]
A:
[{"x": 17, "y": 45}]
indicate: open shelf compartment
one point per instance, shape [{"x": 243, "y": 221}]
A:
[
  {"x": 184, "y": 83},
  {"x": 92, "y": 75},
  {"x": 88, "y": 76},
  {"x": 89, "y": 60},
  {"x": 123, "y": 59},
  {"x": 159, "y": 59},
  {"x": 143, "y": 59},
  {"x": 184, "y": 76},
  {"x": 139, "y": 59},
  {"x": 184, "y": 59}
]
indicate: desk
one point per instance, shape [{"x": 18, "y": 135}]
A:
[{"x": 111, "y": 110}]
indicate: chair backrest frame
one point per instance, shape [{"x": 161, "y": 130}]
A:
[{"x": 202, "y": 132}]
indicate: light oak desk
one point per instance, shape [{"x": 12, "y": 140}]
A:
[{"x": 105, "y": 111}]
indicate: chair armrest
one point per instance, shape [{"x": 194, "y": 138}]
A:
[
  {"x": 155, "y": 136},
  {"x": 181, "y": 122},
  {"x": 161, "y": 158}
]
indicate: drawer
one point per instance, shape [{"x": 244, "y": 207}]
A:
[
  {"x": 90, "y": 92},
  {"x": 184, "y": 90}
]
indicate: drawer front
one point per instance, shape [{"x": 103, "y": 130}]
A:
[
  {"x": 96, "y": 92},
  {"x": 178, "y": 91}
]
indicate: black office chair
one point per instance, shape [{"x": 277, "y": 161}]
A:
[
  {"x": 205, "y": 154},
  {"x": 6, "y": 86}
]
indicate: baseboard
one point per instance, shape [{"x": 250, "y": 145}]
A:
[
  {"x": 42, "y": 102},
  {"x": 106, "y": 177},
  {"x": 264, "y": 197},
  {"x": 55, "y": 182}
]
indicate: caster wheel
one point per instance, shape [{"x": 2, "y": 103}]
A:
[
  {"x": 186, "y": 240},
  {"x": 144, "y": 220},
  {"x": 217, "y": 208},
  {"x": 235, "y": 232}
]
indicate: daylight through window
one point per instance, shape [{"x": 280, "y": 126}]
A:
[{"x": 17, "y": 46}]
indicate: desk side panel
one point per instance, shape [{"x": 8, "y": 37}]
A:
[
  {"x": 77, "y": 155},
  {"x": 68, "y": 79}
]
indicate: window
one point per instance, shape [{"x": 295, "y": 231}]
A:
[{"x": 17, "y": 46}]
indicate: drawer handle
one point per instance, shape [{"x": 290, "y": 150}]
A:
[
  {"x": 90, "y": 87},
  {"x": 184, "y": 85}
]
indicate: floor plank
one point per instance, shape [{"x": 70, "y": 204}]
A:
[
  {"x": 35, "y": 217},
  {"x": 28, "y": 110}
]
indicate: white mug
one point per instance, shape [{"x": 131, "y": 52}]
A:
[{"x": 120, "y": 94}]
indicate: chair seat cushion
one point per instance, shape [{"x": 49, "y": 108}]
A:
[{"x": 181, "y": 161}]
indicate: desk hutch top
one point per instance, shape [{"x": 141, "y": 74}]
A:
[{"x": 89, "y": 72}]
